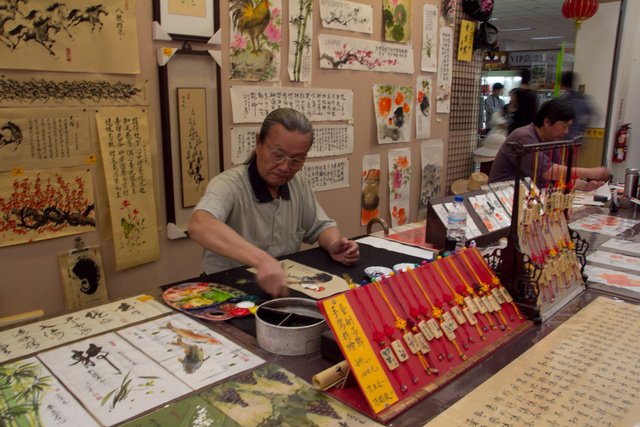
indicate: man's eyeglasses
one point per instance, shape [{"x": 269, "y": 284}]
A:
[{"x": 278, "y": 158}]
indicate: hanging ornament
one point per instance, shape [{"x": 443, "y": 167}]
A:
[{"x": 579, "y": 10}]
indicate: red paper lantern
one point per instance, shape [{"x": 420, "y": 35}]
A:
[{"x": 579, "y": 10}]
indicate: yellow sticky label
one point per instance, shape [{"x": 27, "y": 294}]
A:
[
  {"x": 92, "y": 159},
  {"x": 364, "y": 363},
  {"x": 167, "y": 51},
  {"x": 145, "y": 298},
  {"x": 17, "y": 171}
]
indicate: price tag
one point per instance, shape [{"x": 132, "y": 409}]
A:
[
  {"x": 17, "y": 171},
  {"x": 92, "y": 159}
]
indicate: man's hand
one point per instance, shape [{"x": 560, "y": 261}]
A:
[
  {"x": 344, "y": 251},
  {"x": 599, "y": 173},
  {"x": 273, "y": 279}
]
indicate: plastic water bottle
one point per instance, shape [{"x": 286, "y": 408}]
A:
[{"x": 457, "y": 222}]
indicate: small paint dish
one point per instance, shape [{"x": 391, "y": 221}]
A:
[
  {"x": 403, "y": 267},
  {"x": 245, "y": 304},
  {"x": 376, "y": 271}
]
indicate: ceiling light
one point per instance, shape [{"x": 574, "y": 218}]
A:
[
  {"x": 517, "y": 29},
  {"x": 547, "y": 38}
]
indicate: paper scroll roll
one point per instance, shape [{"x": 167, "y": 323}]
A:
[{"x": 331, "y": 376}]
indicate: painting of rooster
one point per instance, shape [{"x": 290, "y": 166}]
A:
[
  {"x": 255, "y": 39},
  {"x": 250, "y": 20}
]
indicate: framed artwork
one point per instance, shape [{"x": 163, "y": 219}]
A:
[
  {"x": 191, "y": 134},
  {"x": 195, "y": 20}
]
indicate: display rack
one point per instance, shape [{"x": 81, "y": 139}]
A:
[
  {"x": 517, "y": 271},
  {"x": 434, "y": 301}
]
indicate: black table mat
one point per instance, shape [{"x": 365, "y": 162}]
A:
[{"x": 317, "y": 258}]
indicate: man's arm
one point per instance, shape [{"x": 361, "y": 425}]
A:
[
  {"x": 219, "y": 238},
  {"x": 599, "y": 173},
  {"x": 339, "y": 248}
]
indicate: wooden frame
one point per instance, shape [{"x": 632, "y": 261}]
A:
[
  {"x": 187, "y": 68},
  {"x": 200, "y": 27}
]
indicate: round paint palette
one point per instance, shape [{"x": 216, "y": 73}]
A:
[
  {"x": 376, "y": 271},
  {"x": 210, "y": 301}
]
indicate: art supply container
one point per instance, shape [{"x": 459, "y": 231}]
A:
[
  {"x": 631, "y": 182},
  {"x": 290, "y": 326}
]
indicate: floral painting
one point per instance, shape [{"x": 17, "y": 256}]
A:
[
  {"x": 345, "y": 53},
  {"x": 394, "y": 108},
  {"x": 429, "y": 60},
  {"x": 399, "y": 185},
  {"x": 448, "y": 12},
  {"x": 256, "y": 27},
  {"x": 423, "y": 107},
  {"x": 397, "y": 20},
  {"x": 370, "y": 201},
  {"x": 45, "y": 204}
]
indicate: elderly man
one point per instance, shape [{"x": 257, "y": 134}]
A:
[
  {"x": 253, "y": 213},
  {"x": 551, "y": 123}
]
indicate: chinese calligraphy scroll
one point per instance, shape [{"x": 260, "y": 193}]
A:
[
  {"x": 443, "y": 91},
  {"x": 126, "y": 158}
]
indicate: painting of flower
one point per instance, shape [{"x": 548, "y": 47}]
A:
[
  {"x": 397, "y": 20},
  {"x": 394, "y": 111}
]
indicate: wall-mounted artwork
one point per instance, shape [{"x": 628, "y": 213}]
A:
[
  {"x": 346, "y": 53},
  {"x": 194, "y": 155},
  {"x": 424, "y": 86},
  {"x": 445, "y": 76},
  {"x": 431, "y": 154},
  {"x": 397, "y": 20},
  {"x": 326, "y": 174},
  {"x": 393, "y": 109},
  {"x": 125, "y": 150},
  {"x": 185, "y": 20},
  {"x": 74, "y": 35},
  {"x": 36, "y": 138},
  {"x": 300, "y": 38},
  {"x": 370, "y": 202},
  {"x": 256, "y": 39},
  {"x": 429, "y": 61},
  {"x": 190, "y": 129},
  {"x": 83, "y": 279},
  {"x": 448, "y": 12},
  {"x": 399, "y": 185},
  {"x": 44, "y": 204},
  {"x": 22, "y": 89},
  {"x": 347, "y": 16}
]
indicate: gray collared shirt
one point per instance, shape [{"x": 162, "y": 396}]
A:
[{"x": 239, "y": 198}]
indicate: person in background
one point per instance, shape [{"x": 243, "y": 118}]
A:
[
  {"x": 526, "y": 102},
  {"x": 584, "y": 110},
  {"x": 551, "y": 123},
  {"x": 493, "y": 104},
  {"x": 263, "y": 209}
]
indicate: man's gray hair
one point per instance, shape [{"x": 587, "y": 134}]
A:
[{"x": 292, "y": 120}]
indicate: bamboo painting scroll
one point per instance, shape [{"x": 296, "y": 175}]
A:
[{"x": 126, "y": 158}]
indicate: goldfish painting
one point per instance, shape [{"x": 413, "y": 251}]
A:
[
  {"x": 194, "y": 356},
  {"x": 190, "y": 335}
]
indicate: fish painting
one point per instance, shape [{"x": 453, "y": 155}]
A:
[
  {"x": 190, "y": 335},
  {"x": 194, "y": 356}
]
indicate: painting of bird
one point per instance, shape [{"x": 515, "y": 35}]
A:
[{"x": 250, "y": 20}]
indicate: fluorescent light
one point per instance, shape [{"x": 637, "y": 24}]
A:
[
  {"x": 547, "y": 38},
  {"x": 516, "y": 29}
]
